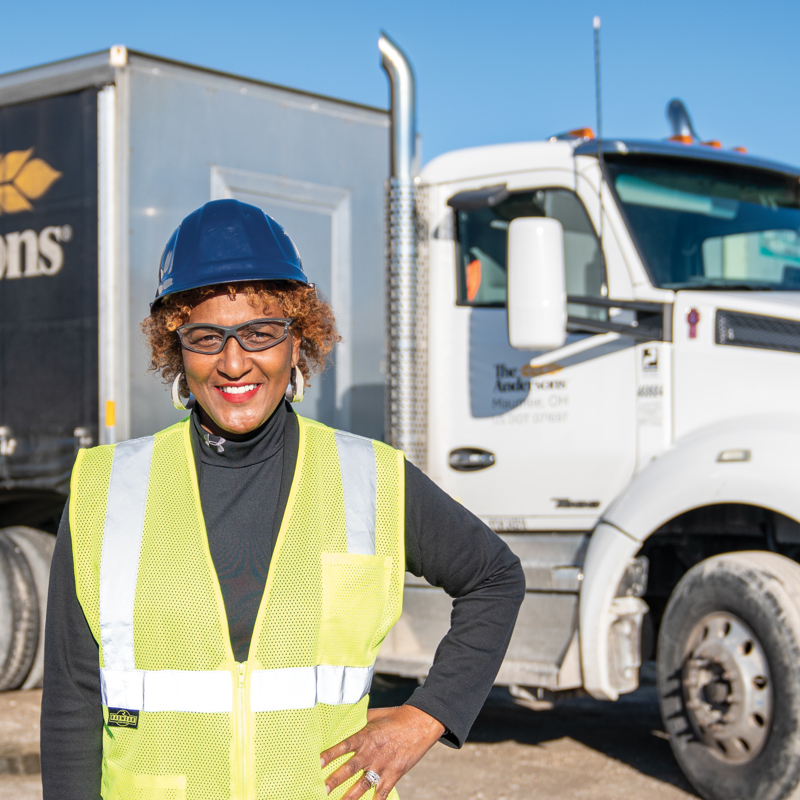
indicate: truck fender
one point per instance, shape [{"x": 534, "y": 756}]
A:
[
  {"x": 609, "y": 554},
  {"x": 752, "y": 460}
]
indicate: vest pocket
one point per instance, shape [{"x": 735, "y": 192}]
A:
[
  {"x": 119, "y": 784},
  {"x": 355, "y": 589}
]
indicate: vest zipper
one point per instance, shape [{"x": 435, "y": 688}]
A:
[{"x": 241, "y": 725}]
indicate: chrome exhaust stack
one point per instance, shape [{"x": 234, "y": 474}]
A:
[
  {"x": 406, "y": 402},
  {"x": 403, "y": 108}
]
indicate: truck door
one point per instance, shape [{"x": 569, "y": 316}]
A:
[{"x": 542, "y": 447}]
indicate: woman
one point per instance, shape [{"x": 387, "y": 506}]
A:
[{"x": 233, "y": 576}]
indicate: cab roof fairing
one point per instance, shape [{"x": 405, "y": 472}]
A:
[
  {"x": 475, "y": 163},
  {"x": 686, "y": 151}
]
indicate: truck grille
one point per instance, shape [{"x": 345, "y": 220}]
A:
[{"x": 754, "y": 330}]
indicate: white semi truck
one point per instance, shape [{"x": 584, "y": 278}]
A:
[
  {"x": 592, "y": 345},
  {"x": 595, "y": 346}
]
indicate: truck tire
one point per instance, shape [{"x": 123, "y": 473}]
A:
[
  {"x": 19, "y": 615},
  {"x": 37, "y": 547},
  {"x": 729, "y": 676}
]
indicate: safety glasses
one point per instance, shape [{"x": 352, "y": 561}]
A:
[{"x": 255, "y": 335}]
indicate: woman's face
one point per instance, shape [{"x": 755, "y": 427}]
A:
[{"x": 265, "y": 372}]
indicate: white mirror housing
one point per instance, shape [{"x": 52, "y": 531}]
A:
[{"x": 537, "y": 295}]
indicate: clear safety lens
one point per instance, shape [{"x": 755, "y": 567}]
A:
[{"x": 258, "y": 335}]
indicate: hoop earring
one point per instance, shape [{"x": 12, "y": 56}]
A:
[
  {"x": 176, "y": 395},
  {"x": 295, "y": 390}
]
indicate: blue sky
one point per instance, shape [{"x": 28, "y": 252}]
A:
[{"x": 487, "y": 72}]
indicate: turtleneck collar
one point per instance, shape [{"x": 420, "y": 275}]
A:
[{"x": 242, "y": 450}]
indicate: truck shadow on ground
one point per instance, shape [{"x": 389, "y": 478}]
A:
[{"x": 629, "y": 731}]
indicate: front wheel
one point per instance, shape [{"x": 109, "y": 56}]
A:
[{"x": 729, "y": 676}]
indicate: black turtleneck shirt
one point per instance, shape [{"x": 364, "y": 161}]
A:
[{"x": 244, "y": 488}]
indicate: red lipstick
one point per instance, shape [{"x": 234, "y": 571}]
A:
[{"x": 238, "y": 396}]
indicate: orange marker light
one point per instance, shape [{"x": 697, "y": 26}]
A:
[
  {"x": 712, "y": 143},
  {"x": 473, "y": 279},
  {"x": 582, "y": 133},
  {"x": 111, "y": 414},
  {"x": 739, "y": 149},
  {"x": 682, "y": 139}
]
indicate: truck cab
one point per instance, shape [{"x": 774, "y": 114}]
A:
[{"x": 655, "y": 433}]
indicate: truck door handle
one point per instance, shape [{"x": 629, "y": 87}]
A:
[{"x": 470, "y": 459}]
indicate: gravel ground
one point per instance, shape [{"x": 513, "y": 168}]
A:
[
  {"x": 573, "y": 749},
  {"x": 19, "y": 745},
  {"x": 576, "y": 748}
]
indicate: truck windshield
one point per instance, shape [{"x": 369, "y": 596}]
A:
[{"x": 711, "y": 226}]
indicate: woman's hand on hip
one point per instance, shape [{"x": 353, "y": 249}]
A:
[{"x": 392, "y": 741}]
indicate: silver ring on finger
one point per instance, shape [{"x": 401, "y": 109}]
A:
[{"x": 372, "y": 777}]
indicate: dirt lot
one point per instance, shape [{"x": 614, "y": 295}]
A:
[
  {"x": 577, "y": 748},
  {"x": 19, "y": 745}
]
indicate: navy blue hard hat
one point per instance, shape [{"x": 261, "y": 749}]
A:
[{"x": 226, "y": 241}]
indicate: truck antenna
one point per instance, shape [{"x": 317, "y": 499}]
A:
[{"x": 596, "y": 26}]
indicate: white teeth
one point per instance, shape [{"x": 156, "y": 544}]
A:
[{"x": 248, "y": 387}]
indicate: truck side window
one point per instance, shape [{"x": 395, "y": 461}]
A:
[{"x": 482, "y": 243}]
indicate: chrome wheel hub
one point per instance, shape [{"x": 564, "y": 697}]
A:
[{"x": 727, "y": 688}]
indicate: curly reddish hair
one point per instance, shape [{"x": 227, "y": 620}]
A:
[{"x": 312, "y": 321}]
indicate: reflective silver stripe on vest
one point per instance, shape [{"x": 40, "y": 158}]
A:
[
  {"x": 206, "y": 691},
  {"x": 360, "y": 485},
  {"x": 122, "y": 544},
  {"x": 304, "y": 687},
  {"x": 211, "y": 691}
]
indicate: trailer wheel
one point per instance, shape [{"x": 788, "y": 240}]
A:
[
  {"x": 729, "y": 676},
  {"x": 19, "y": 615},
  {"x": 37, "y": 547}
]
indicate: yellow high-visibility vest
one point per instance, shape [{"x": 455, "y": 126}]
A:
[{"x": 184, "y": 720}]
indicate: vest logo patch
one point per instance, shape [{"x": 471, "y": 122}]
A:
[{"x": 122, "y": 718}]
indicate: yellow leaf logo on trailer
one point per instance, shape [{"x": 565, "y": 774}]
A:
[{"x": 23, "y": 179}]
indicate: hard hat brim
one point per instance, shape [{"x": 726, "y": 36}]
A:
[{"x": 220, "y": 275}]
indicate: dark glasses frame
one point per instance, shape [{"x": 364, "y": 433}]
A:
[{"x": 231, "y": 332}]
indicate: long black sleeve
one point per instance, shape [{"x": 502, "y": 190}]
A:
[
  {"x": 72, "y": 716},
  {"x": 451, "y": 548}
]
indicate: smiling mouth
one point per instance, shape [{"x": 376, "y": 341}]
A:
[
  {"x": 238, "y": 393},
  {"x": 247, "y": 387}
]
